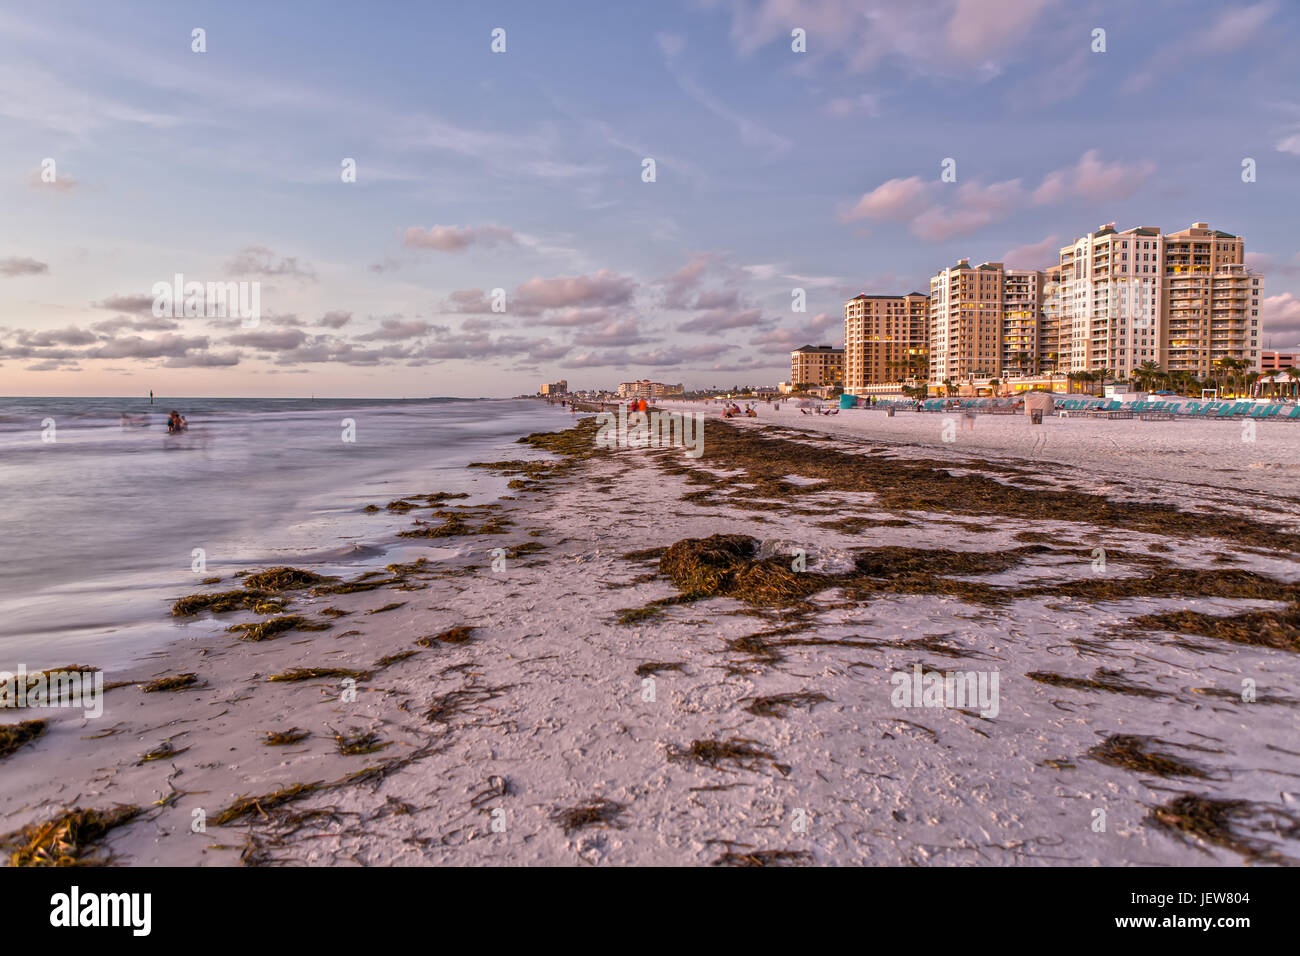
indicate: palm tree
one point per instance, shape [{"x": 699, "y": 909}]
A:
[
  {"x": 1293, "y": 374},
  {"x": 1146, "y": 374}
]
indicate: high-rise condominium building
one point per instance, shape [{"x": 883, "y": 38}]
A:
[
  {"x": 1211, "y": 301},
  {"x": 966, "y": 322},
  {"x": 1182, "y": 300},
  {"x": 886, "y": 339},
  {"x": 1116, "y": 300},
  {"x": 817, "y": 365},
  {"x": 1022, "y": 321}
]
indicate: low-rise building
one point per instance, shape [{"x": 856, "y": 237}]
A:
[{"x": 817, "y": 365}]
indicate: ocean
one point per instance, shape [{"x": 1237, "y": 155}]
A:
[{"x": 102, "y": 523}]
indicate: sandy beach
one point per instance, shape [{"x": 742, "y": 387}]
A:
[{"x": 548, "y": 691}]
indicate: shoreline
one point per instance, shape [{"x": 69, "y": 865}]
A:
[{"x": 764, "y": 701}]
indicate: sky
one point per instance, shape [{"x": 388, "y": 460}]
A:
[{"x": 503, "y": 228}]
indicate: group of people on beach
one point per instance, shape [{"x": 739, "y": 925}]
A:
[
  {"x": 732, "y": 410},
  {"x": 176, "y": 422}
]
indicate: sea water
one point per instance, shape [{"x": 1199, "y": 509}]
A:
[{"x": 103, "y": 524}]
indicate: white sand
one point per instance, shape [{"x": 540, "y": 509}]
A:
[{"x": 568, "y": 724}]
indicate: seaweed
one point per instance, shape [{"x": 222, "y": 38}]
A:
[
  {"x": 281, "y": 738},
  {"x": 1194, "y": 817},
  {"x": 389, "y": 660},
  {"x": 741, "y": 751},
  {"x": 1133, "y": 752},
  {"x": 776, "y": 705},
  {"x": 14, "y": 736},
  {"x": 764, "y": 858},
  {"x": 1277, "y": 629},
  {"x": 162, "y": 752},
  {"x": 221, "y": 602},
  {"x": 275, "y": 626},
  {"x": 297, "y": 674},
  {"x": 601, "y": 813},
  {"x": 1107, "y": 680},
  {"x": 356, "y": 743},
  {"x": 67, "y": 840},
  {"x": 173, "y": 682},
  {"x": 453, "y": 525},
  {"x": 284, "y": 579},
  {"x": 460, "y": 634},
  {"x": 656, "y": 667},
  {"x": 387, "y": 607},
  {"x": 247, "y": 806}
]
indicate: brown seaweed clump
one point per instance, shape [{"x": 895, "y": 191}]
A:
[
  {"x": 740, "y": 751},
  {"x": 273, "y": 627},
  {"x": 221, "y": 602},
  {"x": 174, "y": 682},
  {"x": 725, "y": 565},
  {"x": 296, "y": 674},
  {"x": 356, "y": 743},
  {"x": 246, "y": 806},
  {"x": 1133, "y": 752},
  {"x": 14, "y": 736},
  {"x": 284, "y": 579},
  {"x": 282, "y": 738},
  {"x": 1278, "y": 629},
  {"x": 460, "y": 634},
  {"x": 776, "y": 705},
  {"x": 1232, "y": 824},
  {"x": 601, "y": 813},
  {"x": 764, "y": 858},
  {"x": 453, "y": 525},
  {"x": 67, "y": 840}
]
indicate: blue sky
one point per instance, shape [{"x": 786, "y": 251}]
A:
[{"x": 522, "y": 171}]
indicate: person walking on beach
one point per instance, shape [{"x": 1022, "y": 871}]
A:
[{"x": 968, "y": 419}]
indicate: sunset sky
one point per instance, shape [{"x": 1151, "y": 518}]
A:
[{"x": 522, "y": 171}]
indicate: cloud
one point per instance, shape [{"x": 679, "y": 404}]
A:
[
  {"x": 894, "y": 200},
  {"x": 1280, "y": 320},
  {"x": 259, "y": 260},
  {"x": 62, "y": 183},
  {"x": 612, "y": 335},
  {"x": 1290, "y": 145},
  {"x": 22, "y": 266},
  {"x": 397, "y": 329},
  {"x": 1034, "y": 255},
  {"x": 270, "y": 340},
  {"x": 603, "y": 288},
  {"x": 930, "y": 37},
  {"x": 48, "y": 337},
  {"x": 864, "y": 104},
  {"x": 133, "y": 304},
  {"x": 1093, "y": 180},
  {"x": 203, "y": 360},
  {"x": 335, "y": 320},
  {"x": 1232, "y": 30},
  {"x": 456, "y": 238},
  {"x": 939, "y": 211},
  {"x": 720, "y": 320}
]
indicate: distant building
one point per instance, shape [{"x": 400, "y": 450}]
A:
[
  {"x": 556, "y": 388},
  {"x": 886, "y": 339},
  {"x": 644, "y": 388},
  {"x": 817, "y": 365},
  {"x": 1271, "y": 360}
]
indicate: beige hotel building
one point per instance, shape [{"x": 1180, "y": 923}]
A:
[
  {"x": 886, "y": 339},
  {"x": 817, "y": 365},
  {"x": 1184, "y": 300}
]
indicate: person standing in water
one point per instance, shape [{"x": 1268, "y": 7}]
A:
[{"x": 151, "y": 396}]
